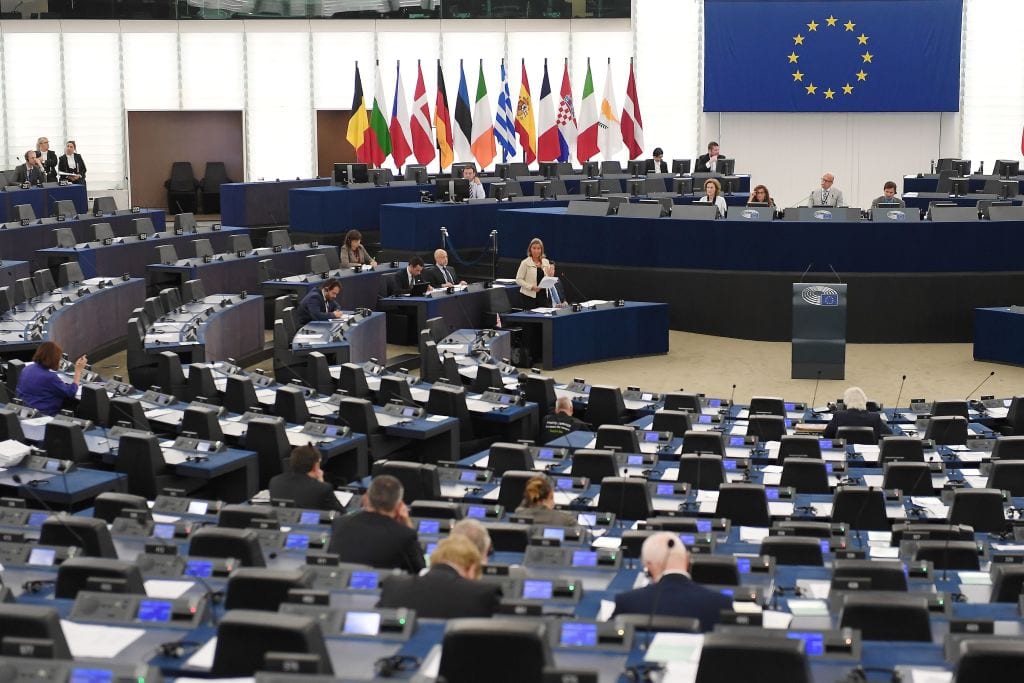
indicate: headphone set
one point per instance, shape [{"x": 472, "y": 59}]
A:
[
  {"x": 177, "y": 649},
  {"x": 387, "y": 667}
]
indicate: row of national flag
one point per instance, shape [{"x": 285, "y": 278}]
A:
[{"x": 546, "y": 131}]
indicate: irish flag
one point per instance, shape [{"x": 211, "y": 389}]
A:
[{"x": 484, "y": 148}]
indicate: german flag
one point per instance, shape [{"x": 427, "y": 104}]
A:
[
  {"x": 360, "y": 122},
  {"x": 443, "y": 122}
]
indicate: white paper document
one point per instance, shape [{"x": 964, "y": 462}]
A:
[
  {"x": 166, "y": 588},
  {"x": 101, "y": 642}
]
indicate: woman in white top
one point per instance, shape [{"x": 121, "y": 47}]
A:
[
  {"x": 532, "y": 270},
  {"x": 713, "y": 195}
]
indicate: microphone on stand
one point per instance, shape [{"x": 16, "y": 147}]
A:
[
  {"x": 987, "y": 378},
  {"x": 815, "y": 395}
]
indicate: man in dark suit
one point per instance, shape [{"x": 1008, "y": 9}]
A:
[
  {"x": 402, "y": 281},
  {"x": 671, "y": 592},
  {"x": 561, "y": 422},
  {"x": 441, "y": 274},
  {"x": 450, "y": 590},
  {"x": 657, "y": 164},
  {"x": 381, "y": 535},
  {"x": 304, "y": 485},
  {"x": 31, "y": 171},
  {"x": 707, "y": 163},
  {"x": 48, "y": 157},
  {"x": 319, "y": 303},
  {"x": 856, "y": 414}
]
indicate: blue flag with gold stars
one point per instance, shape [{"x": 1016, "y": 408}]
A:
[{"x": 814, "y": 56}]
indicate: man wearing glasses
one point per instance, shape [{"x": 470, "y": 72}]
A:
[{"x": 827, "y": 195}]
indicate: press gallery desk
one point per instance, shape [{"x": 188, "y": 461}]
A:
[
  {"x": 41, "y": 199},
  {"x": 908, "y": 282}
]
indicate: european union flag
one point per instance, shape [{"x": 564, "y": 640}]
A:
[
  {"x": 829, "y": 300},
  {"x": 814, "y": 56}
]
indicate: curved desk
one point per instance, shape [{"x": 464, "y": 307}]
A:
[
  {"x": 358, "y": 290},
  {"x": 82, "y": 319},
  {"x": 909, "y": 282},
  {"x": 222, "y": 326},
  {"x": 463, "y": 309},
  {"x": 12, "y": 271},
  {"x": 353, "y": 340}
]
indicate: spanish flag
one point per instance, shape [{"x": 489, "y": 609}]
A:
[
  {"x": 360, "y": 122},
  {"x": 525, "y": 126}
]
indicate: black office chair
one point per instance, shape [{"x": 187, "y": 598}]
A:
[
  {"x": 139, "y": 458},
  {"x": 947, "y": 430},
  {"x": 487, "y": 376},
  {"x": 912, "y": 478},
  {"x": 595, "y": 465},
  {"x": 1008, "y": 448},
  {"x": 716, "y": 570},
  {"x": 267, "y": 436},
  {"x": 10, "y": 426},
  {"x": 240, "y": 243},
  {"x": 352, "y": 380},
  {"x": 675, "y": 421},
  {"x": 34, "y": 622},
  {"x": 1007, "y": 475},
  {"x": 202, "y": 248},
  {"x": 244, "y": 516},
  {"x": 945, "y": 555},
  {"x": 799, "y": 445},
  {"x": 503, "y": 457},
  {"x": 78, "y": 574},
  {"x": 24, "y": 290},
  {"x": 979, "y": 508},
  {"x": 767, "y": 405},
  {"x": 985, "y": 660},
  {"x": 66, "y": 441},
  {"x": 279, "y": 238},
  {"x": 513, "y": 484},
  {"x": 65, "y": 237},
  {"x": 94, "y": 405},
  {"x": 217, "y": 541},
  {"x": 201, "y": 384},
  {"x": 239, "y": 394},
  {"x": 181, "y": 188},
  {"x": 260, "y": 588},
  {"x": 316, "y": 374},
  {"x": 743, "y": 504},
  {"x": 317, "y": 263},
  {"x": 1014, "y": 418},
  {"x": 677, "y": 400},
  {"x": 216, "y": 175},
  {"x": 169, "y": 375},
  {"x": 1007, "y": 582},
  {"x": 69, "y": 274},
  {"x": 474, "y": 645},
  {"x": 110, "y": 505},
  {"x": 24, "y": 212},
  {"x": 860, "y": 507},
  {"x": 64, "y": 207},
  {"x": 184, "y": 223},
  {"x": 900, "y": 449},
  {"x": 883, "y": 575},
  {"x": 129, "y": 410},
  {"x": 957, "y": 407},
  {"x": 43, "y": 280},
  {"x": 704, "y": 442},
  {"x": 541, "y": 390},
  {"x": 170, "y": 298},
  {"x": 705, "y": 472},
  {"x": 290, "y": 404},
  {"x": 88, "y": 533},
  {"x": 627, "y": 498},
  {"x": 13, "y": 374},
  {"x": 622, "y": 438},
  {"x": 104, "y": 204},
  {"x": 894, "y": 617},
  {"x": 246, "y": 637},
  {"x": 419, "y": 481},
  {"x": 451, "y": 401},
  {"x": 358, "y": 414},
  {"x": 394, "y": 388},
  {"x": 143, "y": 227},
  {"x": 101, "y": 231},
  {"x": 806, "y": 475},
  {"x": 203, "y": 422},
  {"x": 863, "y": 436},
  {"x": 766, "y": 427},
  {"x": 793, "y": 550},
  {"x": 605, "y": 406},
  {"x": 430, "y": 362},
  {"x": 727, "y": 657}
]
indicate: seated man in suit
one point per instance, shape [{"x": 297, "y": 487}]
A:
[
  {"x": 304, "y": 485},
  {"x": 450, "y": 590},
  {"x": 856, "y": 414},
  {"x": 671, "y": 592},
  {"x": 888, "y": 196},
  {"x": 561, "y": 422},
  {"x": 320, "y": 303},
  {"x": 441, "y": 274},
  {"x": 827, "y": 195},
  {"x": 476, "y": 188},
  {"x": 381, "y": 534},
  {"x": 657, "y": 164},
  {"x": 402, "y": 281},
  {"x": 31, "y": 171},
  {"x": 708, "y": 163}
]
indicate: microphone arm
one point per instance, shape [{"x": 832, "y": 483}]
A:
[{"x": 987, "y": 378}]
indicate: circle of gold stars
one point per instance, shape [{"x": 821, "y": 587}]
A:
[{"x": 847, "y": 88}]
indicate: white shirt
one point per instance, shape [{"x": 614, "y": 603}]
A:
[
  {"x": 71, "y": 162},
  {"x": 719, "y": 202},
  {"x": 476, "y": 190},
  {"x": 713, "y": 164}
]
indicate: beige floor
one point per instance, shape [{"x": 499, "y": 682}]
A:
[{"x": 713, "y": 364}]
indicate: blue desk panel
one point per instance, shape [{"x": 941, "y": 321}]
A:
[
  {"x": 260, "y": 203},
  {"x": 340, "y": 209},
  {"x": 930, "y": 183},
  {"x": 42, "y": 200},
  {"x": 999, "y": 335}
]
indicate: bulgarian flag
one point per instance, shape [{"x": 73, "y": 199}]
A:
[{"x": 378, "y": 139}]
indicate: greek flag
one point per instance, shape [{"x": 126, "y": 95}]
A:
[{"x": 505, "y": 128}]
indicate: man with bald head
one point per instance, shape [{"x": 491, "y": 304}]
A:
[
  {"x": 827, "y": 195},
  {"x": 671, "y": 591},
  {"x": 442, "y": 275}
]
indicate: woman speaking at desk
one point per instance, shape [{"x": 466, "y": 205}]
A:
[
  {"x": 40, "y": 387},
  {"x": 713, "y": 195},
  {"x": 532, "y": 270}
]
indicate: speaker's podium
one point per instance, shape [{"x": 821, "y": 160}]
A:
[{"x": 819, "y": 331}]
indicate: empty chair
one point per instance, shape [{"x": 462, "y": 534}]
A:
[
  {"x": 793, "y": 550},
  {"x": 143, "y": 226},
  {"x": 799, "y": 445},
  {"x": 1007, "y": 581},
  {"x": 240, "y": 243},
  {"x": 739, "y": 656},
  {"x": 192, "y": 290},
  {"x": 447, "y": 400},
  {"x": 720, "y": 570},
  {"x": 279, "y": 238},
  {"x": 10, "y": 426},
  {"x": 352, "y": 380},
  {"x": 806, "y": 475},
  {"x": 743, "y": 504},
  {"x": 203, "y": 248},
  {"x": 610, "y": 167},
  {"x": 109, "y": 505},
  {"x": 316, "y": 374},
  {"x": 704, "y": 442},
  {"x": 88, "y": 533},
  {"x": 245, "y": 637},
  {"x": 677, "y": 400},
  {"x": 675, "y": 421},
  {"x": 243, "y": 516},
  {"x": 241, "y": 544},
  {"x": 239, "y": 394},
  {"x": 1007, "y": 475},
  {"x": 216, "y": 175},
  {"x": 605, "y": 406},
  {"x": 957, "y": 555},
  {"x": 24, "y": 212},
  {"x": 317, "y": 263},
  {"x": 202, "y": 422},
  {"x": 1014, "y": 418},
  {"x": 627, "y": 498},
  {"x": 622, "y": 438},
  {"x": 140, "y": 459},
  {"x": 705, "y": 472},
  {"x": 419, "y": 481},
  {"x": 912, "y": 478},
  {"x": 181, "y": 188},
  {"x": 431, "y": 369},
  {"x": 201, "y": 385},
  {"x": 263, "y": 589},
  {"x": 860, "y": 508},
  {"x": 979, "y": 508},
  {"x": 509, "y": 651},
  {"x": 101, "y": 231},
  {"x": 105, "y": 204},
  {"x": 394, "y": 388},
  {"x": 892, "y": 617},
  {"x": 487, "y": 376},
  {"x": 154, "y": 308},
  {"x": 65, "y": 237},
  {"x": 947, "y": 430},
  {"x": 864, "y": 436},
  {"x": 166, "y": 254},
  {"x": 957, "y": 407},
  {"x": 358, "y": 414},
  {"x": 69, "y": 274},
  {"x": 901, "y": 449},
  {"x": 503, "y": 457},
  {"x": 333, "y": 258},
  {"x": 541, "y": 390},
  {"x": 98, "y": 574},
  {"x": 169, "y": 375},
  {"x": 766, "y": 427},
  {"x": 290, "y": 404},
  {"x": 267, "y": 436},
  {"x": 985, "y": 660},
  {"x": 884, "y": 575},
  {"x": 66, "y": 441},
  {"x": 767, "y": 405},
  {"x": 94, "y": 405},
  {"x": 595, "y": 465},
  {"x": 24, "y": 290},
  {"x": 171, "y": 299},
  {"x": 1009, "y": 448},
  {"x": 185, "y": 223},
  {"x": 43, "y": 280},
  {"x": 64, "y": 207},
  {"x": 35, "y": 622},
  {"x": 130, "y": 411}
]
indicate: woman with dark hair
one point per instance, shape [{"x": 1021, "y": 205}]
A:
[
  {"x": 353, "y": 253},
  {"x": 759, "y": 195},
  {"x": 39, "y": 386},
  {"x": 713, "y": 195},
  {"x": 539, "y": 504},
  {"x": 71, "y": 166}
]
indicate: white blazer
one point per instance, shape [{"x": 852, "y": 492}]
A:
[{"x": 526, "y": 276}]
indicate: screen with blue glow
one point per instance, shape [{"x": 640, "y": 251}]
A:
[
  {"x": 42, "y": 556},
  {"x": 297, "y": 541},
  {"x": 726, "y": 591},
  {"x": 476, "y": 511},
  {"x": 687, "y": 539},
  {"x": 430, "y": 526},
  {"x": 564, "y": 483},
  {"x": 431, "y": 547},
  {"x": 704, "y": 526},
  {"x": 704, "y": 420},
  {"x": 555, "y": 533},
  {"x": 729, "y": 464},
  {"x": 165, "y": 531},
  {"x": 651, "y": 436},
  {"x": 771, "y": 494},
  {"x": 788, "y": 423},
  {"x": 828, "y": 467},
  {"x": 814, "y": 643},
  {"x": 468, "y": 475},
  {"x": 330, "y": 430},
  {"x": 714, "y": 403},
  {"x": 91, "y": 676},
  {"x": 578, "y": 635},
  {"x": 634, "y": 460},
  {"x": 790, "y": 407},
  {"x": 664, "y": 490},
  {"x": 537, "y": 590},
  {"x": 363, "y": 580},
  {"x": 546, "y": 454},
  {"x": 825, "y": 547},
  {"x": 736, "y": 441},
  {"x": 362, "y": 623},
  {"x": 584, "y": 558},
  {"x": 309, "y": 518},
  {"x": 825, "y": 443},
  {"x": 743, "y": 564},
  {"x": 586, "y": 518},
  {"x": 154, "y": 610},
  {"x": 200, "y": 568},
  {"x": 37, "y": 518}
]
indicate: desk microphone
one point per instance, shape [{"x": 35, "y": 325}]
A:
[
  {"x": 815, "y": 395},
  {"x": 987, "y": 378},
  {"x": 896, "y": 406},
  {"x": 573, "y": 285},
  {"x": 27, "y": 487},
  {"x": 732, "y": 395}
]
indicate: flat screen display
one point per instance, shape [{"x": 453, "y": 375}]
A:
[
  {"x": 704, "y": 526},
  {"x": 165, "y": 531},
  {"x": 546, "y": 454},
  {"x": 556, "y": 533},
  {"x": 91, "y": 676},
  {"x": 586, "y": 519},
  {"x": 468, "y": 475},
  {"x": 154, "y": 610},
  {"x": 743, "y": 565},
  {"x": 814, "y": 643},
  {"x": 37, "y": 518},
  {"x": 537, "y": 590},
  {"x": 476, "y": 511},
  {"x": 664, "y": 490},
  {"x": 198, "y": 507},
  {"x": 650, "y": 437},
  {"x": 309, "y": 518},
  {"x": 430, "y": 526},
  {"x": 362, "y": 623},
  {"x": 564, "y": 483},
  {"x": 43, "y": 557},
  {"x": 363, "y": 580},
  {"x": 584, "y": 558},
  {"x": 578, "y": 635},
  {"x": 297, "y": 541},
  {"x": 736, "y": 441},
  {"x": 634, "y": 460},
  {"x": 200, "y": 568}
]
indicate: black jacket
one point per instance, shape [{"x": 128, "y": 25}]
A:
[
  {"x": 677, "y": 596},
  {"x": 314, "y": 307},
  {"x": 856, "y": 418},
  {"x": 436, "y": 279},
  {"x": 656, "y": 167},
  {"x": 441, "y": 594},
  {"x": 559, "y": 424},
  {"x": 702, "y": 163},
  {"x": 399, "y": 283},
  {"x": 34, "y": 175},
  {"x": 50, "y": 164},
  {"x": 379, "y": 541},
  {"x": 304, "y": 491},
  {"x": 62, "y": 165}
]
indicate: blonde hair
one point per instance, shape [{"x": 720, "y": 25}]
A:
[
  {"x": 460, "y": 551},
  {"x": 718, "y": 186},
  {"x": 529, "y": 248},
  {"x": 855, "y": 399},
  {"x": 537, "y": 491}
]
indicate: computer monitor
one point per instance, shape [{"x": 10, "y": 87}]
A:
[
  {"x": 680, "y": 166},
  {"x": 351, "y": 173},
  {"x": 591, "y": 169},
  {"x": 1006, "y": 168},
  {"x": 730, "y": 183},
  {"x": 453, "y": 189},
  {"x": 682, "y": 185},
  {"x": 418, "y": 173},
  {"x": 958, "y": 186},
  {"x": 962, "y": 167},
  {"x": 725, "y": 166},
  {"x": 549, "y": 169},
  {"x": 380, "y": 176},
  {"x": 636, "y": 167}
]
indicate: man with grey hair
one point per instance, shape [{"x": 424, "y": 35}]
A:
[
  {"x": 442, "y": 274},
  {"x": 561, "y": 422},
  {"x": 475, "y": 532},
  {"x": 671, "y": 591},
  {"x": 856, "y": 414},
  {"x": 827, "y": 195},
  {"x": 381, "y": 534}
]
